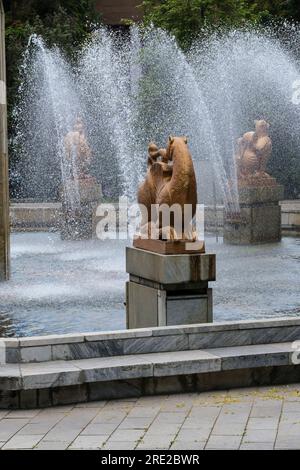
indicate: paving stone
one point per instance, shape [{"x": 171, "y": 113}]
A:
[
  {"x": 257, "y": 446},
  {"x": 147, "y": 401},
  {"x": 88, "y": 442},
  {"x": 143, "y": 411},
  {"x": 22, "y": 442},
  {"x": 163, "y": 441},
  {"x": 210, "y": 420},
  {"x": 120, "y": 445},
  {"x": 205, "y": 412},
  {"x": 192, "y": 434},
  {"x": 9, "y": 427},
  {"x": 292, "y": 443},
  {"x": 167, "y": 418},
  {"x": 263, "y": 423},
  {"x": 161, "y": 428},
  {"x": 260, "y": 435},
  {"x": 266, "y": 411},
  {"x": 291, "y": 407},
  {"x": 188, "y": 445},
  {"x": 223, "y": 442},
  {"x": 36, "y": 429},
  {"x": 127, "y": 434},
  {"x": 71, "y": 425},
  {"x": 230, "y": 429},
  {"x": 28, "y": 414},
  {"x": 99, "y": 429},
  {"x": 288, "y": 429},
  {"x": 110, "y": 417},
  {"x": 136, "y": 423},
  {"x": 3, "y": 413},
  {"x": 52, "y": 445},
  {"x": 51, "y": 416}
]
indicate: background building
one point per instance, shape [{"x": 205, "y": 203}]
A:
[{"x": 114, "y": 11}]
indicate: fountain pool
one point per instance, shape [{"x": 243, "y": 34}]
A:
[{"x": 78, "y": 286}]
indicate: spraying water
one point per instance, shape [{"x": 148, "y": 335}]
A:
[{"x": 130, "y": 91}]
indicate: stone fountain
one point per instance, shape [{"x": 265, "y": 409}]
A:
[
  {"x": 168, "y": 267},
  {"x": 259, "y": 219},
  {"x": 81, "y": 193}
]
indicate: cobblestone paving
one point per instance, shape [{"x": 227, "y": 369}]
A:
[{"x": 256, "y": 418}]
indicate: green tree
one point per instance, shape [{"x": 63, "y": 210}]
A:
[
  {"x": 185, "y": 18},
  {"x": 66, "y": 23}
]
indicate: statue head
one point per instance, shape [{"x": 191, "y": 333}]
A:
[
  {"x": 261, "y": 127},
  {"x": 152, "y": 153},
  {"x": 172, "y": 140},
  {"x": 78, "y": 125}
]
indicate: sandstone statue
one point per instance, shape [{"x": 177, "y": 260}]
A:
[
  {"x": 77, "y": 151},
  {"x": 169, "y": 181},
  {"x": 253, "y": 153},
  {"x": 158, "y": 172}
]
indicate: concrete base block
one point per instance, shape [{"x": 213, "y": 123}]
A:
[
  {"x": 259, "y": 220},
  {"x": 78, "y": 219},
  {"x": 170, "y": 269},
  {"x": 166, "y": 290},
  {"x": 149, "y": 307}
]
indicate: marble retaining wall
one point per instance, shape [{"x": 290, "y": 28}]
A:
[
  {"x": 29, "y": 216},
  {"x": 150, "y": 340}
]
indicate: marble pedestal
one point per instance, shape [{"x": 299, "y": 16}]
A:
[
  {"x": 79, "y": 203},
  {"x": 166, "y": 290},
  {"x": 259, "y": 220}
]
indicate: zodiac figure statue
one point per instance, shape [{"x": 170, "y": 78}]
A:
[
  {"x": 253, "y": 152},
  {"x": 170, "y": 181},
  {"x": 77, "y": 151}
]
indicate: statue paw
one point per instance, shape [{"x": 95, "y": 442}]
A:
[{"x": 168, "y": 233}]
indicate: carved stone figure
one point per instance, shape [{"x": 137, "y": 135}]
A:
[
  {"x": 253, "y": 153},
  {"x": 158, "y": 172},
  {"x": 169, "y": 185},
  {"x": 77, "y": 151}
]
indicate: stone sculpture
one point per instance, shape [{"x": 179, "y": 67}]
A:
[
  {"x": 169, "y": 181},
  {"x": 259, "y": 217},
  {"x": 168, "y": 290},
  {"x": 81, "y": 194},
  {"x": 158, "y": 172},
  {"x": 252, "y": 155},
  {"x": 77, "y": 151}
]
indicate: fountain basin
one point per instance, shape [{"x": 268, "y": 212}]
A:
[{"x": 75, "y": 286}]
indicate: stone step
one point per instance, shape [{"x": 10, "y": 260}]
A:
[
  {"x": 71, "y": 347},
  {"x": 66, "y": 373},
  {"x": 50, "y": 383}
]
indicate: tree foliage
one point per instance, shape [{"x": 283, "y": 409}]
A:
[
  {"x": 185, "y": 18},
  {"x": 66, "y": 23}
]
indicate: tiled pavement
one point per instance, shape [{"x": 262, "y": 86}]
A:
[{"x": 261, "y": 418}]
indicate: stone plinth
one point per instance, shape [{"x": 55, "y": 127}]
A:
[
  {"x": 79, "y": 203},
  {"x": 259, "y": 220},
  {"x": 168, "y": 290}
]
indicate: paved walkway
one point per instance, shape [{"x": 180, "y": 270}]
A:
[{"x": 262, "y": 418}]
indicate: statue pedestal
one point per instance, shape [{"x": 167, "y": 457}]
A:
[
  {"x": 79, "y": 203},
  {"x": 166, "y": 290},
  {"x": 259, "y": 220}
]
